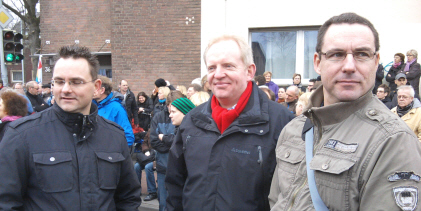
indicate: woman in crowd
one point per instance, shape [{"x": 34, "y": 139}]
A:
[
  {"x": 412, "y": 71},
  {"x": 199, "y": 98},
  {"x": 398, "y": 63},
  {"x": 12, "y": 107},
  {"x": 296, "y": 81},
  {"x": 182, "y": 89},
  {"x": 205, "y": 85},
  {"x": 162, "y": 96},
  {"x": 271, "y": 85},
  {"x": 281, "y": 95},
  {"x": 302, "y": 103},
  {"x": 145, "y": 107},
  {"x": 179, "y": 108}
]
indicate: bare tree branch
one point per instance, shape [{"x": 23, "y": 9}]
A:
[{"x": 16, "y": 12}]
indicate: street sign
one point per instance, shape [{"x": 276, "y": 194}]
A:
[{"x": 5, "y": 17}]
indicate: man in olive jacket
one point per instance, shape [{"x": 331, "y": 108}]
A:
[
  {"x": 360, "y": 155},
  {"x": 223, "y": 155}
]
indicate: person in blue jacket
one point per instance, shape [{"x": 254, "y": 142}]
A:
[{"x": 109, "y": 107}]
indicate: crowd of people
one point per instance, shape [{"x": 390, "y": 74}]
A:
[{"x": 228, "y": 141}]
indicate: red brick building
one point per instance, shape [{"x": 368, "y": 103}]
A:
[{"x": 148, "y": 39}]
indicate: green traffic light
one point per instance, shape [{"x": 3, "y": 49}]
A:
[{"x": 10, "y": 57}]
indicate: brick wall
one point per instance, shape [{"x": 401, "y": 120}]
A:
[{"x": 149, "y": 38}]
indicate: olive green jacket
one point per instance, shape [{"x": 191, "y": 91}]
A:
[{"x": 365, "y": 158}]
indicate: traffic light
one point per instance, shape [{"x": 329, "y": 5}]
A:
[
  {"x": 8, "y": 46},
  {"x": 18, "y": 48},
  {"x": 12, "y": 47}
]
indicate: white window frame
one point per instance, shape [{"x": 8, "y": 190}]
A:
[
  {"x": 15, "y": 71},
  {"x": 299, "y": 61}
]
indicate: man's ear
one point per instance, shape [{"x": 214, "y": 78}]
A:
[
  {"x": 251, "y": 71},
  {"x": 316, "y": 63},
  {"x": 97, "y": 84}
]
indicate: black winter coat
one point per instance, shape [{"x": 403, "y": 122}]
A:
[
  {"x": 413, "y": 76},
  {"x": 161, "y": 124},
  {"x": 390, "y": 77},
  {"x": 131, "y": 107},
  {"x": 230, "y": 171},
  {"x": 145, "y": 116},
  {"x": 54, "y": 160},
  {"x": 37, "y": 102}
]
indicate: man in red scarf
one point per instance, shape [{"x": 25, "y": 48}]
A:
[{"x": 223, "y": 156}]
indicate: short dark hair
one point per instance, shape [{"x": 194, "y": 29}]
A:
[
  {"x": 313, "y": 80},
  {"x": 385, "y": 88},
  {"x": 173, "y": 95},
  {"x": 270, "y": 92},
  {"x": 260, "y": 79},
  {"x": 106, "y": 83},
  {"x": 349, "y": 18},
  {"x": 196, "y": 87},
  {"x": 402, "y": 56},
  {"x": 77, "y": 52},
  {"x": 14, "y": 103}
]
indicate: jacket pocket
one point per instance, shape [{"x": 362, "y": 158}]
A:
[
  {"x": 109, "y": 165},
  {"x": 333, "y": 177},
  {"x": 48, "y": 165}
]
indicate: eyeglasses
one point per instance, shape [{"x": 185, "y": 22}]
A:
[
  {"x": 337, "y": 56},
  {"x": 73, "y": 83},
  {"x": 409, "y": 55},
  {"x": 403, "y": 97}
]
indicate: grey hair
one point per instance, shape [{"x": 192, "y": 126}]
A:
[{"x": 408, "y": 87}]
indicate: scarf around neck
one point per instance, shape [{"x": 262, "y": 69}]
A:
[
  {"x": 395, "y": 65},
  {"x": 10, "y": 118},
  {"x": 224, "y": 117},
  {"x": 406, "y": 69},
  {"x": 402, "y": 111}
]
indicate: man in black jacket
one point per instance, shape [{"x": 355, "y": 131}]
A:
[
  {"x": 129, "y": 102},
  {"x": 223, "y": 155},
  {"x": 68, "y": 157},
  {"x": 38, "y": 104}
]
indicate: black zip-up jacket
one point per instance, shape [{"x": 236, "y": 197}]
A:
[
  {"x": 131, "y": 107},
  {"x": 37, "y": 102},
  {"x": 54, "y": 160},
  {"x": 391, "y": 79},
  {"x": 232, "y": 171},
  {"x": 145, "y": 116}
]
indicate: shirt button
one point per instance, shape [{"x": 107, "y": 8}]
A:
[
  {"x": 246, "y": 130},
  {"x": 261, "y": 131},
  {"x": 84, "y": 136},
  {"x": 287, "y": 154},
  {"x": 110, "y": 158},
  {"x": 325, "y": 166},
  {"x": 52, "y": 159}
]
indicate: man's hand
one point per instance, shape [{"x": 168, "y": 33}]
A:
[{"x": 160, "y": 136}]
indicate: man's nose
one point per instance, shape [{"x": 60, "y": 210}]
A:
[
  {"x": 66, "y": 87},
  {"x": 219, "y": 72},
  {"x": 349, "y": 63}
]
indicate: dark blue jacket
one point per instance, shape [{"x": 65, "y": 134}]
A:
[
  {"x": 110, "y": 108},
  {"x": 55, "y": 160},
  {"x": 208, "y": 170},
  {"x": 161, "y": 124}
]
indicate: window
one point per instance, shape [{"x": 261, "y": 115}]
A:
[
  {"x": 17, "y": 76},
  {"x": 285, "y": 52}
]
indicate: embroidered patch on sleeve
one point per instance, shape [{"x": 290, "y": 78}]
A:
[
  {"x": 341, "y": 147},
  {"x": 406, "y": 197},
  {"x": 404, "y": 175}
]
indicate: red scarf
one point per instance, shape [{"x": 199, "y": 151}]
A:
[{"x": 224, "y": 117}]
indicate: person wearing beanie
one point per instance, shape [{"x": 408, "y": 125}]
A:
[
  {"x": 179, "y": 108},
  {"x": 160, "y": 82}
]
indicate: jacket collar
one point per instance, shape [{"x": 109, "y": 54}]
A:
[
  {"x": 335, "y": 113},
  {"x": 255, "y": 113},
  {"x": 77, "y": 122}
]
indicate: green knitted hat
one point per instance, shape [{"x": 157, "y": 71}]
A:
[{"x": 183, "y": 104}]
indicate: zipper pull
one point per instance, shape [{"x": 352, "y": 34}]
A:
[
  {"x": 185, "y": 145},
  {"x": 260, "y": 161}
]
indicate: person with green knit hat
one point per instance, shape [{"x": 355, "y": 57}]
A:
[{"x": 179, "y": 108}]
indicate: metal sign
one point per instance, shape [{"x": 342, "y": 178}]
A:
[{"x": 5, "y": 17}]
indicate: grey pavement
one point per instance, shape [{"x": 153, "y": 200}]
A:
[{"x": 147, "y": 205}]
